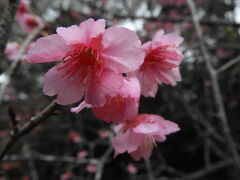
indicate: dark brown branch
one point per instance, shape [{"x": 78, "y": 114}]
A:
[
  {"x": 5, "y": 26},
  {"x": 215, "y": 87},
  {"x": 164, "y": 18},
  {"x": 103, "y": 160},
  {"x": 50, "y": 158},
  {"x": 28, "y": 127},
  {"x": 209, "y": 169},
  {"x": 9, "y": 72},
  {"x": 228, "y": 64}
]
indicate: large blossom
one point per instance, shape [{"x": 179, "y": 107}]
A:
[
  {"x": 161, "y": 63},
  {"x": 139, "y": 135},
  {"x": 91, "y": 60}
]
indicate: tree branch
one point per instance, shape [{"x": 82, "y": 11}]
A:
[
  {"x": 5, "y": 26},
  {"x": 28, "y": 127},
  {"x": 228, "y": 64},
  {"x": 9, "y": 72},
  {"x": 215, "y": 87}
]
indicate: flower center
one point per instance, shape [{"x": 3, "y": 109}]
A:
[
  {"x": 81, "y": 63},
  {"x": 149, "y": 142},
  {"x": 32, "y": 22}
]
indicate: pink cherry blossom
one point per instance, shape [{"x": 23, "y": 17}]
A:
[
  {"x": 23, "y": 8},
  {"x": 28, "y": 22},
  {"x": 103, "y": 133},
  {"x": 139, "y": 135},
  {"x": 119, "y": 107},
  {"x": 91, "y": 168},
  {"x": 132, "y": 169},
  {"x": 91, "y": 60},
  {"x": 123, "y": 106},
  {"x": 161, "y": 63},
  {"x": 82, "y": 154},
  {"x": 12, "y": 50}
]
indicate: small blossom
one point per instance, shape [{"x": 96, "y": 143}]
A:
[
  {"x": 103, "y": 133},
  {"x": 139, "y": 135},
  {"x": 132, "y": 169},
  {"x": 161, "y": 63},
  {"x": 75, "y": 137},
  {"x": 91, "y": 168},
  {"x": 123, "y": 106},
  {"x": 82, "y": 154},
  {"x": 28, "y": 22},
  {"x": 23, "y": 8},
  {"x": 12, "y": 50},
  {"x": 66, "y": 175}
]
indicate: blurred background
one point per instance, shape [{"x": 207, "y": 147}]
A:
[{"x": 71, "y": 146}]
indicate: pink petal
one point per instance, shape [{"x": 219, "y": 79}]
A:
[
  {"x": 168, "y": 127},
  {"x": 48, "y": 49},
  {"x": 107, "y": 84},
  {"x": 127, "y": 141},
  {"x": 117, "y": 113},
  {"x": 141, "y": 152},
  {"x": 171, "y": 39},
  {"x": 149, "y": 86},
  {"x": 169, "y": 77},
  {"x": 80, "y": 107},
  {"x": 130, "y": 87},
  {"x": 67, "y": 91},
  {"x": 147, "y": 128},
  {"x": 154, "y": 125},
  {"x": 122, "y": 49},
  {"x": 158, "y": 35},
  {"x": 82, "y": 33}
]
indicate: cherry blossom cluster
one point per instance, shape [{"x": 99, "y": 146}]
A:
[
  {"x": 27, "y": 20},
  {"x": 109, "y": 69}
]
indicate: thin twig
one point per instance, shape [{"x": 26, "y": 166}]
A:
[
  {"x": 28, "y": 127},
  {"x": 149, "y": 170},
  {"x": 164, "y": 18},
  {"x": 13, "y": 120},
  {"x": 5, "y": 26},
  {"x": 228, "y": 64},
  {"x": 209, "y": 169},
  {"x": 103, "y": 160},
  {"x": 215, "y": 87},
  {"x": 9, "y": 72},
  {"x": 31, "y": 164},
  {"x": 50, "y": 158}
]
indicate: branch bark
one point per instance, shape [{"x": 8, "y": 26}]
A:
[
  {"x": 5, "y": 26},
  {"x": 215, "y": 87},
  {"x": 9, "y": 72},
  {"x": 27, "y": 128}
]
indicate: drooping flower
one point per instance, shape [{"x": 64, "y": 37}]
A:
[
  {"x": 161, "y": 63},
  {"x": 119, "y": 107},
  {"x": 123, "y": 106},
  {"x": 139, "y": 135},
  {"x": 91, "y": 60}
]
